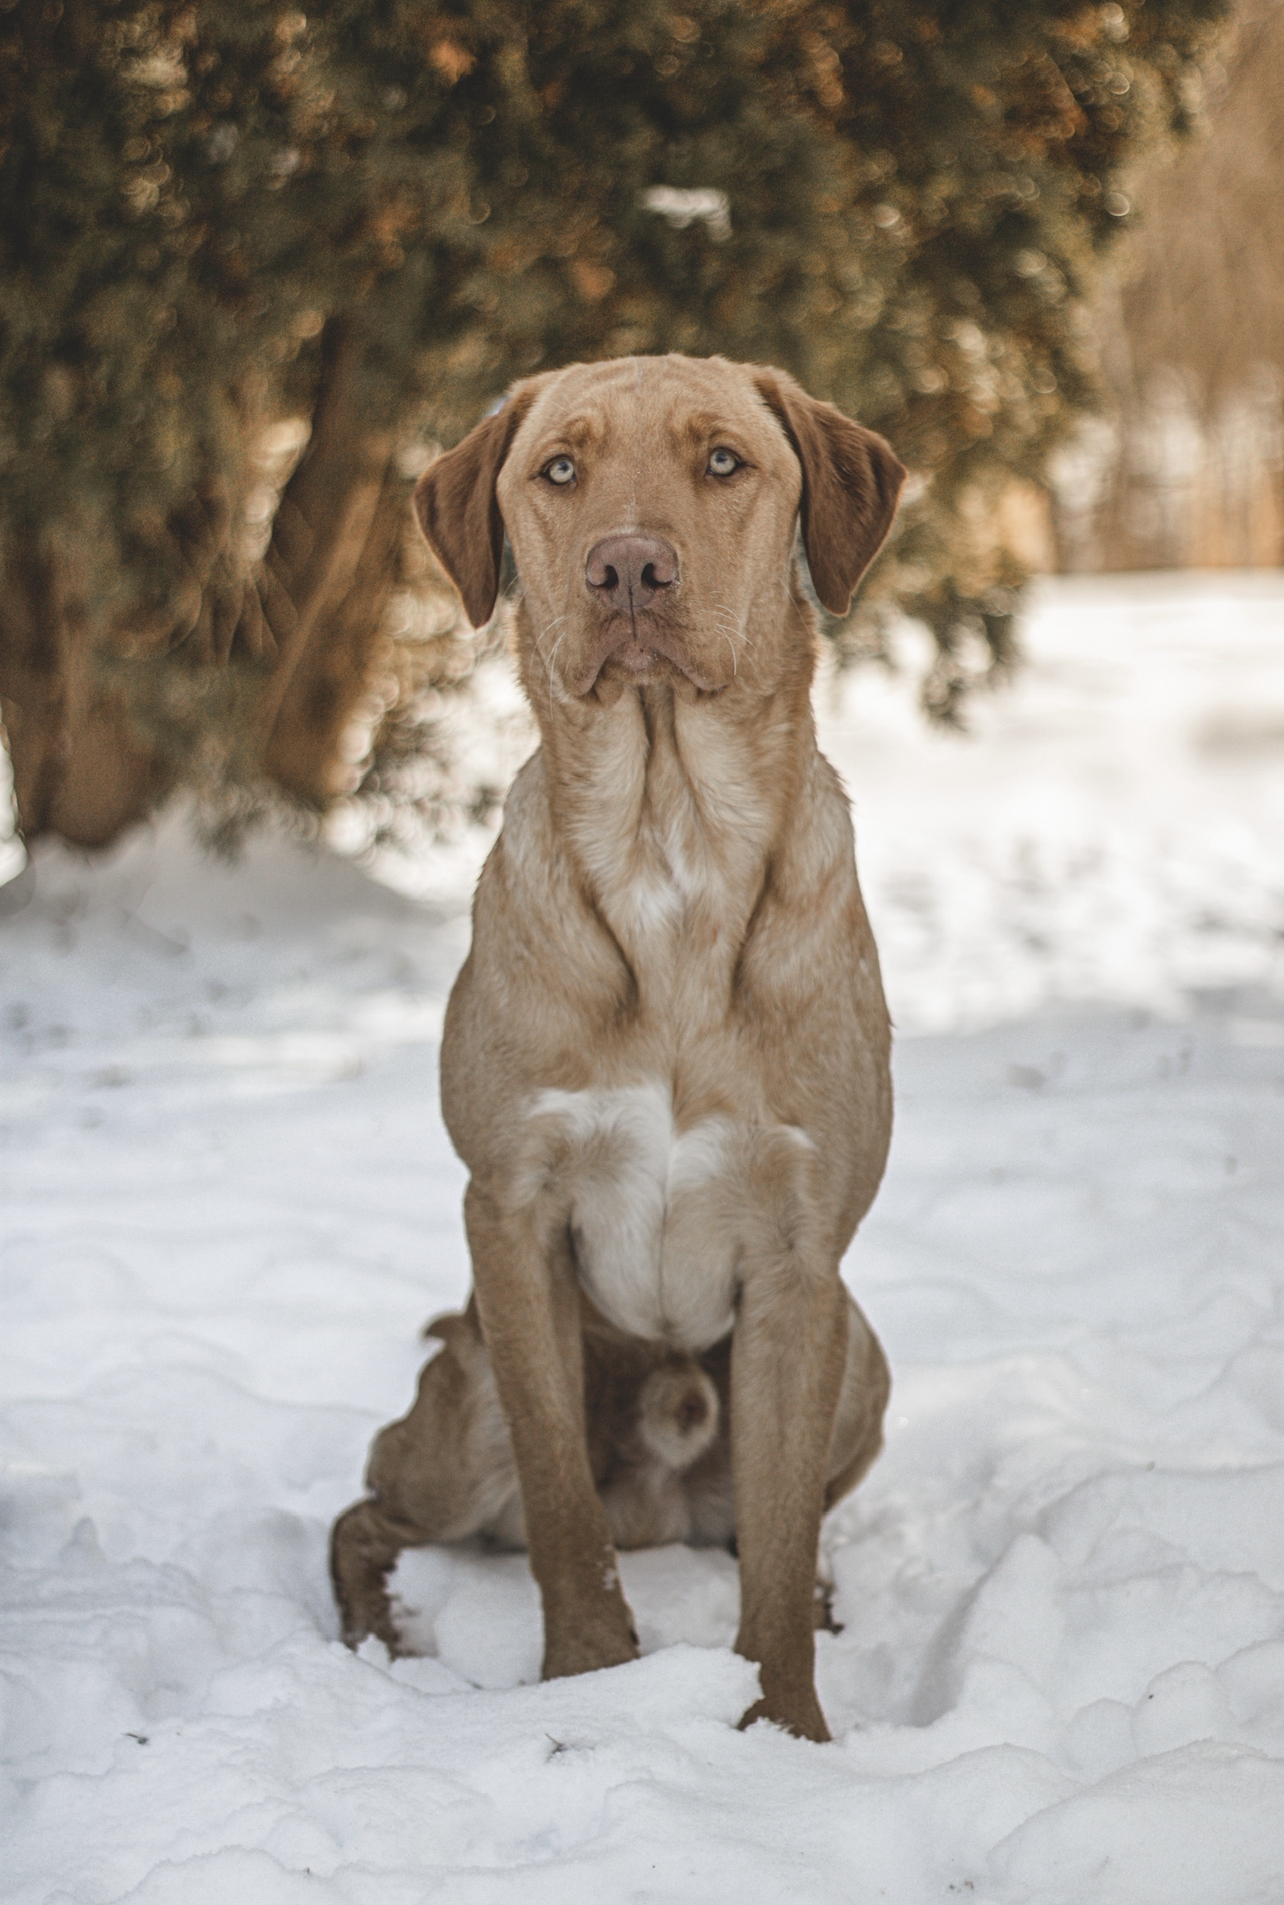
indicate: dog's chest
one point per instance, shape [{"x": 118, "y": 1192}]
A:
[
  {"x": 660, "y": 1218},
  {"x": 664, "y": 897},
  {"x": 674, "y": 852}
]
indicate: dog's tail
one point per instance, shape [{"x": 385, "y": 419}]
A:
[{"x": 678, "y": 1413}]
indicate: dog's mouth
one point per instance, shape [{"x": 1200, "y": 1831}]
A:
[{"x": 634, "y": 650}]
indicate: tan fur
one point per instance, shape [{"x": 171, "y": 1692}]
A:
[{"x": 665, "y": 1062}]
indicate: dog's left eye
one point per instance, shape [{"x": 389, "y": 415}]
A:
[
  {"x": 560, "y": 471},
  {"x": 723, "y": 463}
]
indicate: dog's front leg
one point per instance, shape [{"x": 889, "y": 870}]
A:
[
  {"x": 787, "y": 1354},
  {"x": 529, "y": 1305}
]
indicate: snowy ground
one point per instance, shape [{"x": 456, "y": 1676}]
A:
[{"x": 229, "y": 1205}]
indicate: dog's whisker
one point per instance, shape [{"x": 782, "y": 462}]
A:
[
  {"x": 732, "y": 635},
  {"x": 542, "y": 637},
  {"x": 724, "y": 611},
  {"x": 548, "y": 630},
  {"x": 553, "y": 657}
]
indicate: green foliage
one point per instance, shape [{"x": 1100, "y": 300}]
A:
[
  {"x": 918, "y": 191},
  {"x": 132, "y": 324}
]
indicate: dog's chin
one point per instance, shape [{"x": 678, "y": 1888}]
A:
[{"x": 637, "y": 660}]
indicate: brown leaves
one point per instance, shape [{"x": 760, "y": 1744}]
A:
[{"x": 453, "y": 61}]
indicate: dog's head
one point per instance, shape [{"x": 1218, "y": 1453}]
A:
[{"x": 651, "y": 504}]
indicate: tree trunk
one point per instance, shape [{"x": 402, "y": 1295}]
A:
[
  {"x": 305, "y": 753},
  {"x": 334, "y": 551},
  {"x": 79, "y": 769},
  {"x": 313, "y": 616}
]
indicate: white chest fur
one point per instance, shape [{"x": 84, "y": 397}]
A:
[{"x": 660, "y": 1218}]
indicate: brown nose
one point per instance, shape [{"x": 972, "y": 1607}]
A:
[{"x": 629, "y": 572}]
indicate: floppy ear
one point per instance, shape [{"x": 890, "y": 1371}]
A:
[
  {"x": 851, "y": 481},
  {"x": 458, "y": 512}
]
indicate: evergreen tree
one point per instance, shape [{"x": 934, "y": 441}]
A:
[{"x": 217, "y": 215}]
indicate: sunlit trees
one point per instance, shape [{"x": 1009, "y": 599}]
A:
[
  {"x": 223, "y": 215},
  {"x": 1192, "y": 472}
]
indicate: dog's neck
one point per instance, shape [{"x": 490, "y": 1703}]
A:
[{"x": 673, "y": 802}]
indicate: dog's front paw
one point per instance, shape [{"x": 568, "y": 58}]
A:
[
  {"x": 795, "y": 1708},
  {"x": 605, "y": 1637}
]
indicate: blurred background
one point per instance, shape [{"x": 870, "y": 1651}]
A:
[{"x": 257, "y": 266}]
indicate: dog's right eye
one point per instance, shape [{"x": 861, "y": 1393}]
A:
[{"x": 560, "y": 471}]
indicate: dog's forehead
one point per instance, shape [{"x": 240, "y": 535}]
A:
[{"x": 628, "y": 395}]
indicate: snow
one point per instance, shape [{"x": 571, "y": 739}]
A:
[{"x": 229, "y": 1205}]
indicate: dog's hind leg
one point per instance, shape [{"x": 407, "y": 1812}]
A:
[
  {"x": 444, "y": 1472},
  {"x": 364, "y": 1545}
]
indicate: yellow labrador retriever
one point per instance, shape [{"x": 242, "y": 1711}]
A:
[{"x": 665, "y": 1062}]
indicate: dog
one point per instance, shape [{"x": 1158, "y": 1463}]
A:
[{"x": 665, "y": 1061}]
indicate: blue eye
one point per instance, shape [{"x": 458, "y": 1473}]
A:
[
  {"x": 560, "y": 471},
  {"x": 723, "y": 463}
]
